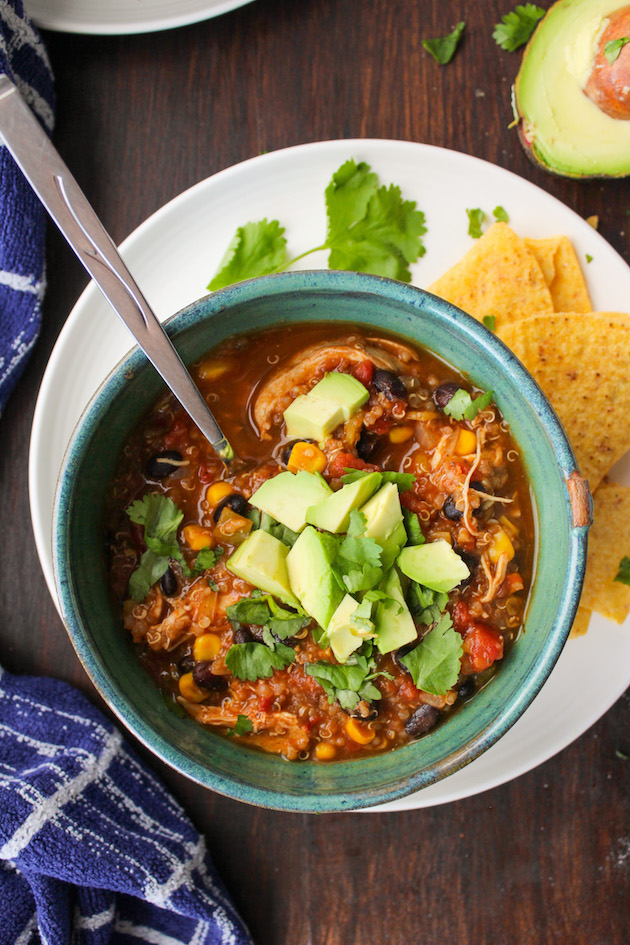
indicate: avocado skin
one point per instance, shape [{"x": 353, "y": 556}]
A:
[{"x": 533, "y": 153}]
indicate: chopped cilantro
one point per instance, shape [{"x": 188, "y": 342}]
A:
[
  {"x": 350, "y": 683},
  {"x": 476, "y": 216},
  {"x": 501, "y": 215},
  {"x": 461, "y": 406},
  {"x": 284, "y": 534},
  {"x": 357, "y": 565},
  {"x": 370, "y": 229},
  {"x": 256, "y": 250},
  {"x": 443, "y": 48},
  {"x": 404, "y": 481},
  {"x": 256, "y": 660},
  {"x": 434, "y": 663},
  {"x": 212, "y": 584},
  {"x": 243, "y": 724},
  {"x": 517, "y": 26},
  {"x": 614, "y": 47},
  {"x": 206, "y": 559},
  {"x": 262, "y": 611},
  {"x": 161, "y": 518},
  {"x": 589, "y": 258},
  {"x": 490, "y": 321},
  {"x": 425, "y": 604},
  {"x": 623, "y": 574},
  {"x": 412, "y": 527},
  {"x": 361, "y": 618}
]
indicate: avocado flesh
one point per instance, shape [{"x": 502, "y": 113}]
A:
[
  {"x": 433, "y": 565},
  {"x": 311, "y": 577},
  {"x": 394, "y": 624},
  {"x": 333, "y": 514},
  {"x": 334, "y": 400},
  {"x": 343, "y": 641},
  {"x": 287, "y": 497},
  {"x": 262, "y": 560},
  {"x": 560, "y": 126}
]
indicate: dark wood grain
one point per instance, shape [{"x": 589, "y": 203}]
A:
[{"x": 544, "y": 859}]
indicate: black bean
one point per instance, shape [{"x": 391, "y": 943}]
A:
[
  {"x": 243, "y": 635},
  {"x": 471, "y": 563},
  {"x": 366, "y": 444},
  {"x": 467, "y": 688},
  {"x": 206, "y": 679},
  {"x": 238, "y": 503},
  {"x": 164, "y": 464},
  {"x": 186, "y": 665},
  {"x": 388, "y": 383},
  {"x": 444, "y": 393},
  {"x": 450, "y": 510},
  {"x": 168, "y": 583},
  {"x": 364, "y": 710},
  {"x": 422, "y": 721}
]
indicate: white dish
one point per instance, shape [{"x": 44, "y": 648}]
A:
[
  {"x": 122, "y": 16},
  {"x": 174, "y": 254}
]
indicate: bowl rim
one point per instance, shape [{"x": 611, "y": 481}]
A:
[{"x": 210, "y": 306}]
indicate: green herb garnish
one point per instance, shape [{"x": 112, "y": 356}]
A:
[
  {"x": 623, "y": 574},
  {"x": 501, "y": 215},
  {"x": 435, "y": 663},
  {"x": 357, "y": 565},
  {"x": 206, "y": 559},
  {"x": 257, "y": 660},
  {"x": 412, "y": 527},
  {"x": 461, "y": 406},
  {"x": 516, "y": 27},
  {"x": 614, "y": 47},
  {"x": 243, "y": 724},
  {"x": 261, "y": 610},
  {"x": 425, "y": 604},
  {"x": 476, "y": 216},
  {"x": 589, "y": 258},
  {"x": 370, "y": 229},
  {"x": 443, "y": 48},
  {"x": 490, "y": 321},
  {"x": 404, "y": 481},
  {"x": 161, "y": 518},
  {"x": 277, "y": 529},
  {"x": 350, "y": 683}
]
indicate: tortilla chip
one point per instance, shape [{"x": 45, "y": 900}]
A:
[
  {"x": 581, "y": 622},
  {"x": 581, "y": 361},
  {"x": 499, "y": 276},
  {"x": 608, "y": 543},
  {"x": 561, "y": 269}
]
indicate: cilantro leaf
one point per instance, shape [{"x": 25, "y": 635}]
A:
[
  {"x": 425, "y": 604},
  {"x": 255, "y": 660},
  {"x": 412, "y": 527},
  {"x": 251, "y": 611},
  {"x": 347, "y": 196},
  {"x": 282, "y": 532},
  {"x": 490, "y": 321},
  {"x": 361, "y": 618},
  {"x": 461, "y": 406},
  {"x": 435, "y": 663},
  {"x": 404, "y": 481},
  {"x": 614, "y": 47},
  {"x": 148, "y": 573},
  {"x": 243, "y": 724},
  {"x": 357, "y": 564},
  {"x": 262, "y": 611},
  {"x": 443, "y": 48},
  {"x": 256, "y": 250},
  {"x": 476, "y": 216},
  {"x": 161, "y": 518},
  {"x": 206, "y": 559},
  {"x": 348, "y": 684},
  {"x": 501, "y": 215},
  {"x": 385, "y": 240},
  {"x": 589, "y": 258},
  {"x": 516, "y": 27},
  {"x": 623, "y": 574}
]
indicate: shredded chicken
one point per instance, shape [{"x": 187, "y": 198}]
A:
[
  {"x": 496, "y": 579},
  {"x": 466, "y": 517}
]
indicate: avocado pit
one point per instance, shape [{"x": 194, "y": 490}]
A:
[{"x": 609, "y": 83}]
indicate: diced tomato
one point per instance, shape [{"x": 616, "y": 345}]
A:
[
  {"x": 265, "y": 703},
  {"x": 381, "y": 426},
  {"x": 342, "y": 461},
  {"x": 408, "y": 691},
  {"x": 204, "y": 474},
  {"x": 178, "y": 434},
  {"x": 364, "y": 372},
  {"x": 512, "y": 584},
  {"x": 461, "y": 616},
  {"x": 483, "y": 645}
]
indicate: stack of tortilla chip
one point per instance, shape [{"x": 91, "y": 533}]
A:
[{"x": 535, "y": 291}]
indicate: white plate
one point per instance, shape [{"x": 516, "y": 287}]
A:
[
  {"x": 174, "y": 254},
  {"x": 124, "y": 16}
]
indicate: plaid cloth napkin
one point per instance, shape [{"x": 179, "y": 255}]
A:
[
  {"x": 93, "y": 849},
  {"x": 22, "y": 229}
]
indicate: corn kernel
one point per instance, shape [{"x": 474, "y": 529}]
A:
[
  {"x": 206, "y": 647},
  {"x": 218, "y": 491},
  {"x": 211, "y": 369},
  {"x": 400, "y": 434},
  {"x": 466, "y": 442},
  {"x": 307, "y": 457},
  {"x": 189, "y": 689},
  {"x": 197, "y": 537},
  {"x": 509, "y": 526},
  {"x": 359, "y": 732},
  {"x": 501, "y": 545},
  {"x": 325, "y": 752}
]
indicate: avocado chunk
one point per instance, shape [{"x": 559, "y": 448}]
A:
[
  {"x": 311, "y": 577},
  {"x": 561, "y": 127},
  {"x": 394, "y": 624},
  {"x": 384, "y": 522},
  {"x": 262, "y": 560},
  {"x": 343, "y": 640},
  {"x": 335, "y": 399},
  {"x": 288, "y": 497},
  {"x": 433, "y": 565},
  {"x": 333, "y": 514}
]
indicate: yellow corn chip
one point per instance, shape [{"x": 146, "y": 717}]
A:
[
  {"x": 608, "y": 543},
  {"x": 581, "y": 363},
  {"x": 499, "y": 276},
  {"x": 561, "y": 269},
  {"x": 581, "y": 622}
]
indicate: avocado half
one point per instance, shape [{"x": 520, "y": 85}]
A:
[{"x": 571, "y": 104}]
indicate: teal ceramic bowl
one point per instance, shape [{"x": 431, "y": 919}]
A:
[{"x": 106, "y": 651}]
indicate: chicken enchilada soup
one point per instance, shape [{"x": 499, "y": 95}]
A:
[{"x": 357, "y": 577}]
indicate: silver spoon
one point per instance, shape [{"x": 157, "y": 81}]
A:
[{"x": 62, "y": 197}]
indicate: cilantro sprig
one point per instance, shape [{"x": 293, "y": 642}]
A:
[
  {"x": 242, "y": 725},
  {"x": 435, "y": 662},
  {"x": 351, "y": 683},
  {"x": 261, "y": 610},
  {"x": 461, "y": 406},
  {"x": 257, "y": 660},
  {"x": 476, "y": 216},
  {"x": 623, "y": 574},
  {"x": 613, "y": 48},
  {"x": 517, "y": 26},
  {"x": 357, "y": 564},
  {"x": 371, "y": 228},
  {"x": 443, "y": 48}
]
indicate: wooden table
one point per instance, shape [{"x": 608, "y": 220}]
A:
[{"x": 544, "y": 859}]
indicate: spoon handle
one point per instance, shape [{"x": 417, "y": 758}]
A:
[{"x": 62, "y": 197}]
